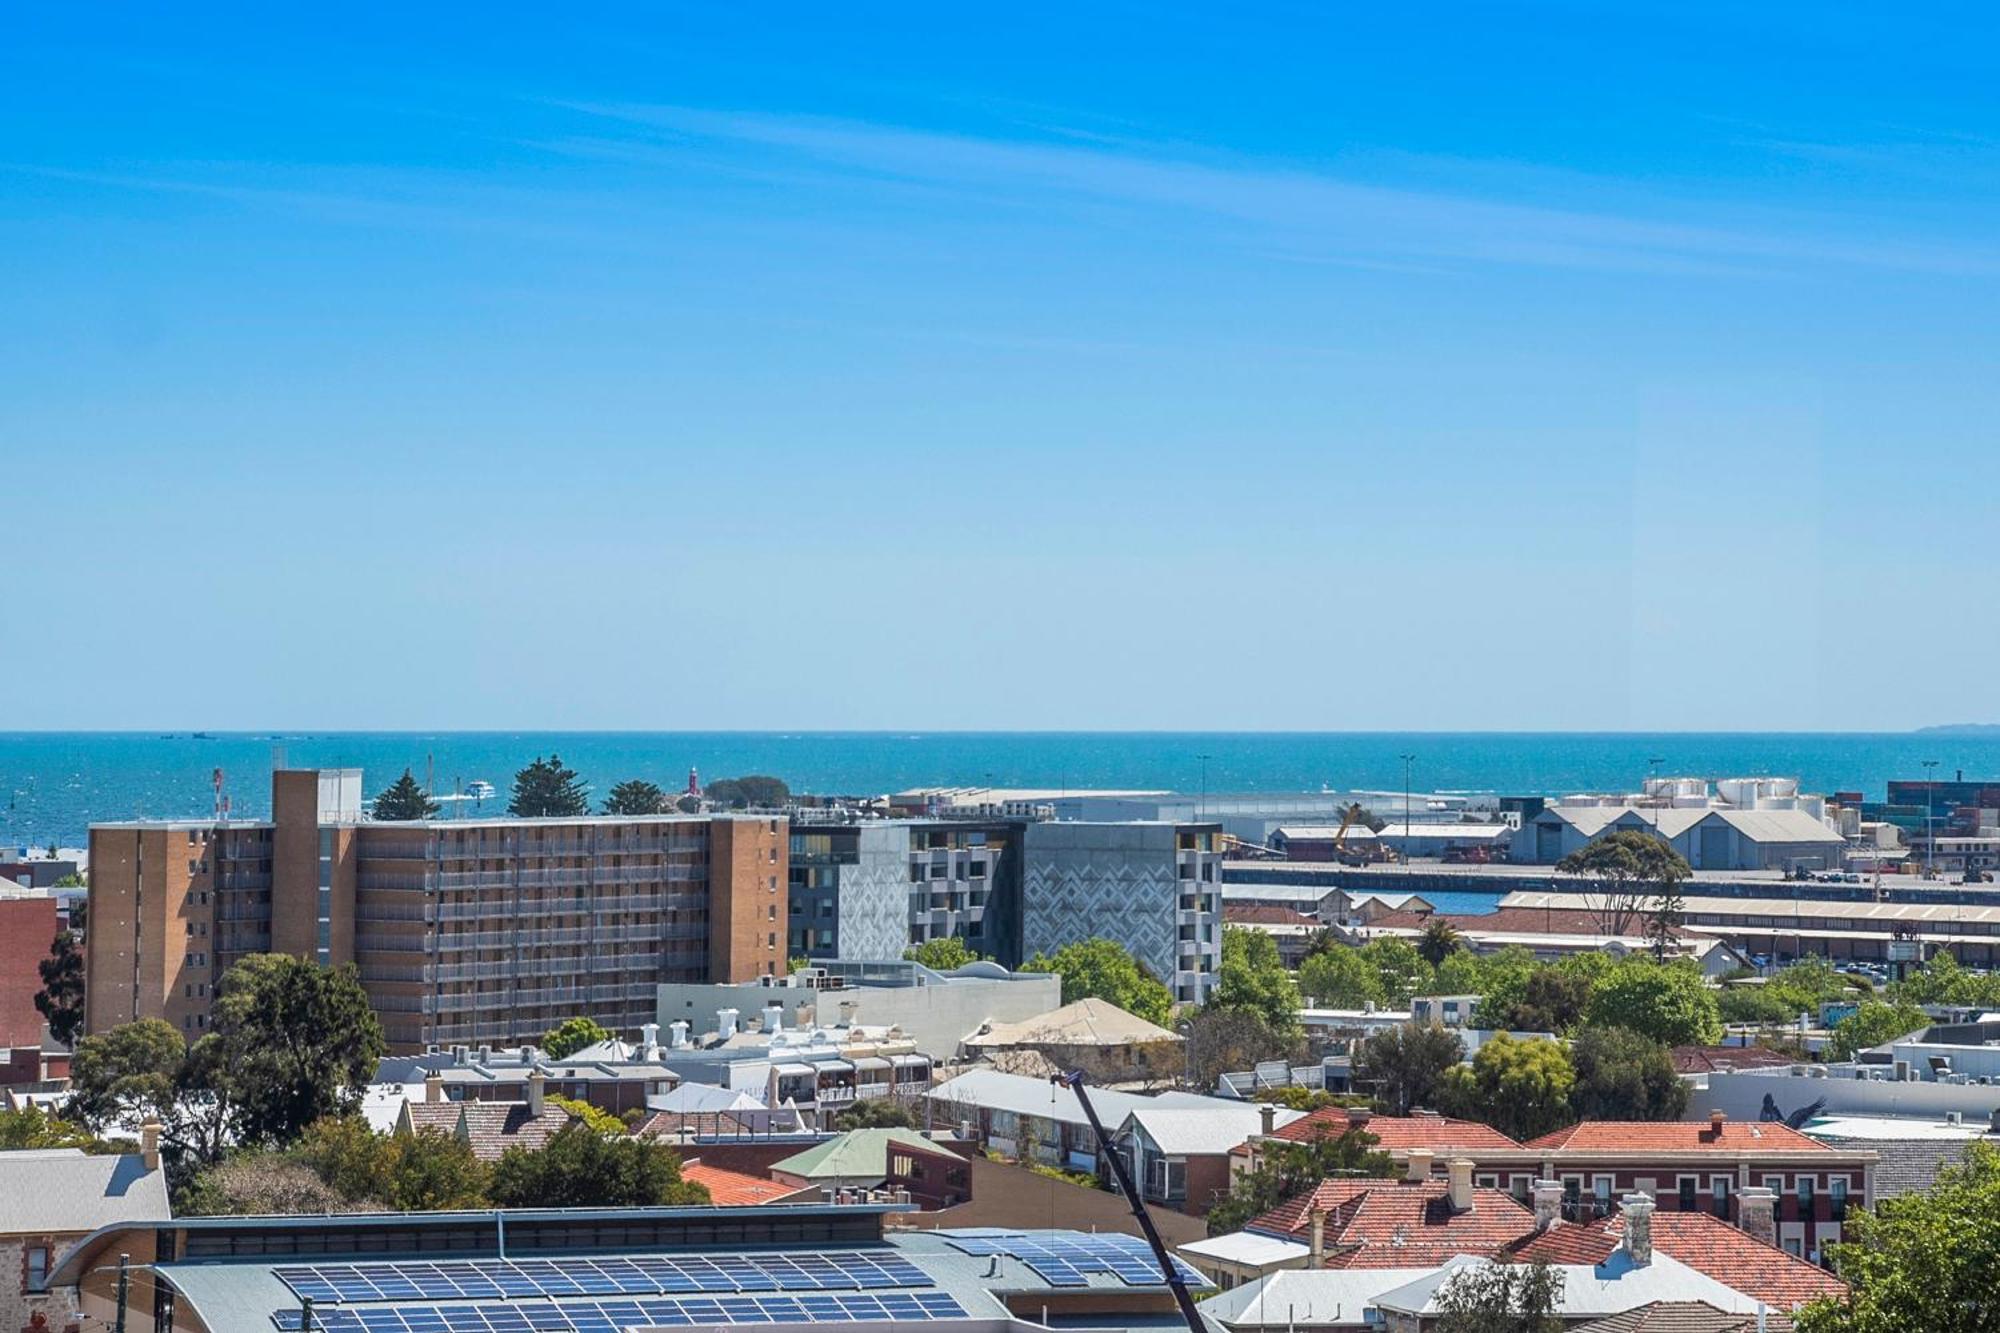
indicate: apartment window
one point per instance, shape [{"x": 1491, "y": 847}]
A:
[
  {"x": 1687, "y": 1204},
  {"x": 774, "y": 855},
  {"x": 1805, "y": 1197},
  {"x": 771, "y": 942},
  {"x": 771, "y": 912},
  {"x": 1838, "y": 1194},
  {"x": 1719, "y": 1187},
  {"x": 38, "y": 1267}
]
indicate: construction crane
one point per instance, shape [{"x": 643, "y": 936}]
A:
[{"x": 1074, "y": 1080}]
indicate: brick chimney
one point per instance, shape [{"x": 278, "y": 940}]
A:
[
  {"x": 1716, "y": 1120},
  {"x": 1638, "y": 1211},
  {"x": 149, "y": 1145},
  {"x": 1757, "y": 1213},
  {"x": 433, "y": 1087},
  {"x": 1460, "y": 1171},
  {"x": 1358, "y": 1117},
  {"x": 1268, "y": 1114},
  {"x": 1548, "y": 1196},
  {"x": 1316, "y": 1236},
  {"x": 1418, "y": 1164},
  {"x": 537, "y": 1092}
]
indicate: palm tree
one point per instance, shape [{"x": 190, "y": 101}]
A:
[{"x": 1439, "y": 940}]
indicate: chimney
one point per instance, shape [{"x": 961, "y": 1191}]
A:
[
  {"x": 1268, "y": 1115},
  {"x": 1316, "y": 1236},
  {"x": 1548, "y": 1195},
  {"x": 1419, "y": 1164},
  {"x": 433, "y": 1087},
  {"x": 1460, "y": 1171},
  {"x": 725, "y": 1023},
  {"x": 774, "y": 1017},
  {"x": 149, "y": 1145},
  {"x": 1756, "y": 1209},
  {"x": 458, "y": 1054},
  {"x": 677, "y": 1034},
  {"x": 1638, "y": 1210},
  {"x": 537, "y": 1095},
  {"x": 649, "y": 1041},
  {"x": 1358, "y": 1117},
  {"x": 802, "y": 1015},
  {"x": 1716, "y": 1120},
  {"x": 849, "y": 1009},
  {"x": 485, "y": 1055}
]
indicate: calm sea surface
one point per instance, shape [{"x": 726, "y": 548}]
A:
[{"x": 53, "y": 784}]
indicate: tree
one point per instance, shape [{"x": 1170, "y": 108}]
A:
[
  {"x": 258, "y": 1182},
  {"x": 1252, "y": 980},
  {"x": 547, "y": 790},
  {"x": 1871, "y": 1024},
  {"x": 756, "y": 790},
  {"x": 1288, "y": 1168},
  {"x": 1621, "y": 1075},
  {"x": 1638, "y": 875},
  {"x": 1501, "y": 1298},
  {"x": 1400, "y": 970},
  {"x": 1438, "y": 941},
  {"x": 943, "y": 954},
  {"x": 1551, "y": 1000},
  {"x": 572, "y": 1035},
  {"x": 876, "y": 1113},
  {"x": 1406, "y": 1065},
  {"x": 292, "y": 1041},
  {"x": 1669, "y": 1002},
  {"x": 32, "y": 1127},
  {"x": 580, "y": 1167},
  {"x": 436, "y": 1170},
  {"x": 1100, "y": 968},
  {"x": 1521, "y": 1088},
  {"x": 1218, "y": 1041},
  {"x": 354, "y": 1161},
  {"x": 1921, "y": 1261},
  {"x": 143, "y": 1071},
  {"x": 424, "y": 1171},
  {"x": 1340, "y": 977},
  {"x": 1943, "y": 981},
  {"x": 635, "y": 797},
  {"x": 60, "y": 1000},
  {"x": 404, "y": 799}
]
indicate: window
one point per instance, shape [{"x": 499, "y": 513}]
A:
[
  {"x": 38, "y": 1267},
  {"x": 1687, "y": 1203},
  {"x": 1806, "y": 1197},
  {"x": 1838, "y": 1192},
  {"x": 1719, "y": 1185}
]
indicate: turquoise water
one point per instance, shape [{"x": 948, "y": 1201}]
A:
[{"x": 55, "y": 783}]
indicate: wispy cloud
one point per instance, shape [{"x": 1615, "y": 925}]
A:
[{"x": 1280, "y": 209}]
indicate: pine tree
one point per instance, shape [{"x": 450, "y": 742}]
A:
[
  {"x": 405, "y": 800},
  {"x": 636, "y": 797},
  {"x": 547, "y": 790},
  {"x": 60, "y": 1000}
]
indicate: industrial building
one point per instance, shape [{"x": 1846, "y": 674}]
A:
[{"x": 1708, "y": 838}]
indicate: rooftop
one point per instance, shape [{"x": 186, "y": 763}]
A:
[
  {"x": 1706, "y": 1244},
  {"x": 859, "y": 1154},
  {"x": 1399, "y": 1223},
  {"x": 733, "y": 1189},
  {"x": 489, "y": 1128},
  {"x": 1087, "y": 1022},
  {"x": 65, "y": 1191},
  {"x": 1399, "y": 1133},
  {"x": 1677, "y": 1136}
]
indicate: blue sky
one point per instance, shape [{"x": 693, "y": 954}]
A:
[{"x": 1057, "y": 367}]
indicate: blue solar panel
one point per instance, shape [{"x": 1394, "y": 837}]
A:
[
  {"x": 587, "y": 1316},
  {"x": 646, "y": 1275},
  {"x": 1070, "y": 1258}
]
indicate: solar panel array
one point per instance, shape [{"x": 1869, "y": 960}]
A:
[
  {"x": 590, "y": 1316},
  {"x": 643, "y": 1275},
  {"x": 1069, "y": 1258}
]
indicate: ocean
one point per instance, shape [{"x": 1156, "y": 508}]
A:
[{"x": 55, "y": 784}]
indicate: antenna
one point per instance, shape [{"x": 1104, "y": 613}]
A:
[{"x": 221, "y": 801}]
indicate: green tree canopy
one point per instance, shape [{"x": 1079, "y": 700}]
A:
[
  {"x": 545, "y": 789},
  {"x": 571, "y": 1035},
  {"x": 1501, "y": 1298},
  {"x": 60, "y": 1000},
  {"x": 1669, "y": 1002},
  {"x": 1438, "y": 940},
  {"x": 1550, "y": 999},
  {"x": 1638, "y": 881},
  {"x": 1520, "y": 1087},
  {"x": 1621, "y": 1075},
  {"x": 635, "y": 797},
  {"x": 292, "y": 1041},
  {"x": 1101, "y": 968},
  {"x": 31, "y": 1127},
  {"x": 1873, "y": 1023},
  {"x": 755, "y": 791},
  {"x": 1921, "y": 1261},
  {"x": 1340, "y": 977},
  {"x": 580, "y": 1167},
  {"x": 943, "y": 954},
  {"x": 1251, "y": 979},
  {"x": 1400, "y": 970},
  {"x": 1287, "y": 1169},
  {"x": 1943, "y": 981},
  {"x": 404, "y": 799},
  {"x": 1406, "y": 1065},
  {"x": 876, "y": 1113},
  {"x": 143, "y": 1071},
  {"x": 1220, "y": 1041}
]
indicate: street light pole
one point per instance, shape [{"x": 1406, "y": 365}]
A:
[
  {"x": 124, "y": 1265},
  {"x": 1930, "y": 807},
  {"x": 1408, "y": 759},
  {"x": 1201, "y": 802}
]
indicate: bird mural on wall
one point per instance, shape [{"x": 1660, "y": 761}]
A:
[{"x": 1772, "y": 1115}]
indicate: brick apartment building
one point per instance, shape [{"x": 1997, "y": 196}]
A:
[
  {"x": 469, "y": 931},
  {"x": 28, "y": 925}
]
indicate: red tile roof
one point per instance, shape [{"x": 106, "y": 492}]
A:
[
  {"x": 1400, "y": 1133},
  {"x": 1514, "y": 921},
  {"x": 489, "y": 1127},
  {"x": 1708, "y": 1059},
  {"x": 1265, "y": 914},
  {"x": 1400, "y": 1224},
  {"x": 1706, "y": 1244},
  {"x": 1677, "y": 1136},
  {"x": 733, "y": 1189}
]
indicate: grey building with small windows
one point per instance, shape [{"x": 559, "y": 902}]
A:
[{"x": 862, "y": 892}]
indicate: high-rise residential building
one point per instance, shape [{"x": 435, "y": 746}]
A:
[
  {"x": 868, "y": 891},
  {"x": 1154, "y": 888},
  {"x": 464, "y": 931}
]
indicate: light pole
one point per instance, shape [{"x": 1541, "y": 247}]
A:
[
  {"x": 1201, "y": 801},
  {"x": 1408, "y": 759},
  {"x": 1654, "y": 763},
  {"x": 1930, "y": 807}
]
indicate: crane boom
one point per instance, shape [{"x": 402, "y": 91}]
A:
[{"x": 1074, "y": 1080}]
